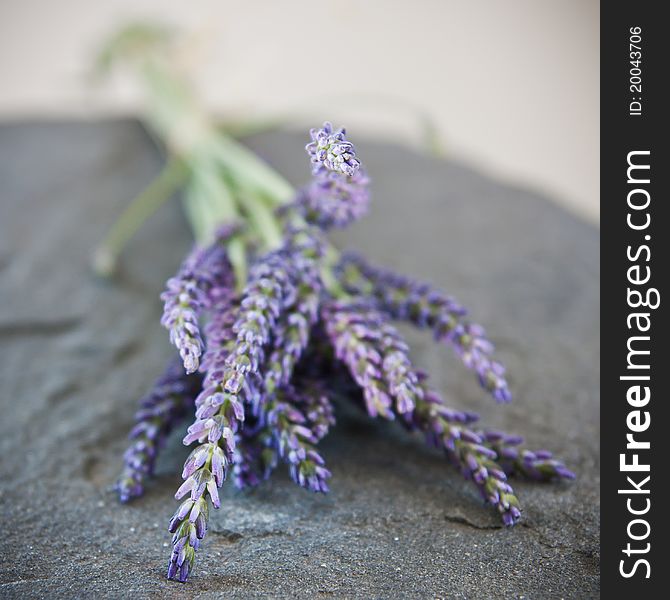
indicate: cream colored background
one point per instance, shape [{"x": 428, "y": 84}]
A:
[{"x": 513, "y": 85}]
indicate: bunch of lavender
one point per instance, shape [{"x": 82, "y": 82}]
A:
[{"x": 271, "y": 324}]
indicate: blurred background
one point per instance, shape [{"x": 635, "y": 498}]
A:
[{"x": 510, "y": 87}]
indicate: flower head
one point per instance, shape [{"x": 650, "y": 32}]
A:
[
  {"x": 407, "y": 299},
  {"x": 330, "y": 150},
  {"x": 299, "y": 419},
  {"x": 160, "y": 410},
  {"x": 375, "y": 354},
  {"x": 335, "y": 200},
  {"x": 538, "y": 465},
  {"x": 468, "y": 451},
  {"x": 204, "y": 276},
  {"x": 293, "y": 328}
]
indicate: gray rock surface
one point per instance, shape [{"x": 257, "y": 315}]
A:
[{"x": 77, "y": 352}]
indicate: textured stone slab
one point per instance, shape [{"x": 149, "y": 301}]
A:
[{"x": 77, "y": 352}]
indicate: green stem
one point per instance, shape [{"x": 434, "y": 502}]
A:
[
  {"x": 237, "y": 255},
  {"x": 214, "y": 205},
  {"x": 159, "y": 190},
  {"x": 330, "y": 282},
  {"x": 262, "y": 219},
  {"x": 196, "y": 211},
  {"x": 217, "y": 196},
  {"x": 251, "y": 171}
]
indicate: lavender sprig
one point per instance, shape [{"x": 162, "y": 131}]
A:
[
  {"x": 218, "y": 416},
  {"x": 339, "y": 192},
  {"x": 296, "y": 436},
  {"x": 406, "y": 299},
  {"x": 235, "y": 353},
  {"x": 315, "y": 403},
  {"x": 400, "y": 375},
  {"x": 293, "y": 329},
  {"x": 357, "y": 330},
  {"x": 297, "y": 417},
  {"x": 353, "y": 332},
  {"x": 330, "y": 150},
  {"x": 261, "y": 449},
  {"x": 375, "y": 354},
  {"x": 468, "y": 451},
  {"x": 269, "y": 289},
  {"x": 538, "y": 465},
  {"x": 160, "y": 410},
  {"x": 203, "y": 274},
  {"x": 334, "y": 200}
]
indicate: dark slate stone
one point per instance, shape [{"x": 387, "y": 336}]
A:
[{"x": 77, "y": 352}]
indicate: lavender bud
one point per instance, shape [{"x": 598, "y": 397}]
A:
[
  {"x": 334, "y": 200},
  {"x": 375, "y": 355},
  {"x": 160, "y": 411},
  {"x": 292, "y": 332},
  {"x": 329, "y": 149},
  {"x": 468, "y": 451},
  {"x": 295, "y": 437},
  {"x": 417, "y": 302},
  {"x": 203, "y": 277},
  {"x": 514, "y": 459}
]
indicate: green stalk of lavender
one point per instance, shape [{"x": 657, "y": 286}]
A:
[
  {"x": 173, "y": 175},
  {"x": 224, "y": 181}
]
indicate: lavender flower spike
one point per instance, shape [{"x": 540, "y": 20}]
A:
[
  {"x": 256, "y": 454},
  {"x": 334, "y": 200},
  {"x": 304, "y": 253},
  {"x": 539, "y": 465},
  {"x": 204, "y": 272},
  {"x": 339, "y": 192},
  {"x": 233, "y": 358},
  {"x": 218, "y": 415},
  {"x": 468, "y": 451},
  {"x": 259, "y": 450},
  {"x": 329, "y": 149},
  {"x": 270, "y": 289},
  {"x": 375, "y": 355},
  {"x": 406, "y": 299},
  {"x": 296, "y": 435},
  {"x": 160, "y": 410}
]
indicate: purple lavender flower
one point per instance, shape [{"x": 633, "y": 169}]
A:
[
  {"x": 293, "y": 420},
  {"x": 313, "y": 399},
  {"x": 218, "y": 415},
  {"x": 263, "y": 447},
  {"x": 236, "y": 346},
  {"x": 188, "y": 526},
  {"x": 353, "y": 330},
  {"x": 468, "y": 451},
  {"x": 270, "y": 289},
  {"x": 256, "y": 455},
  {"x": 375, "y": 354},
  {"x": 407, "y": 299},
  {"x": 484, "y": 457},
  {"x": 160, "y": 410},
  {"x": 538, "y": 465},
  {"x": 203, "y": 276},
  {"x": 296, "y": 435},
  {"x": 329, "y": 149},
  {"x": 400, "y": 376},
  {"x": 339, "y": 192},
  {"x": 334, "y": 200},
  {"x": 293, "y": 328}
]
